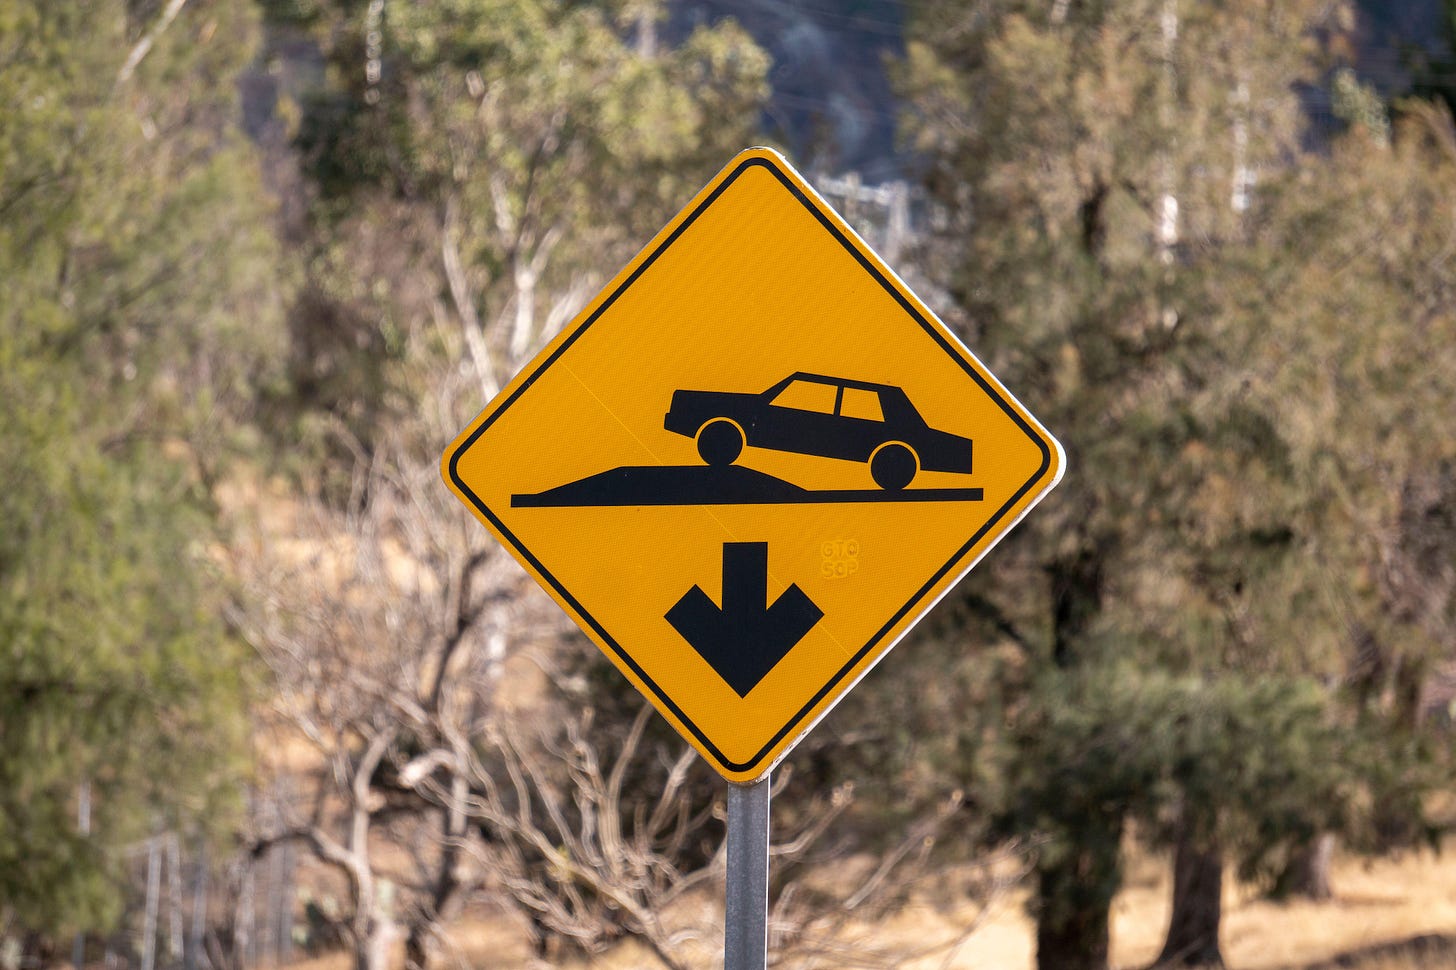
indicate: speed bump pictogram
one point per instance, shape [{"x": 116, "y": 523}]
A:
[{"x": 751, "y": 464}]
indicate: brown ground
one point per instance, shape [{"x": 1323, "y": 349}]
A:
[{"x": 1389, "y": 914}]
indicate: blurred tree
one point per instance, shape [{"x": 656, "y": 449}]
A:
[
  {"x": 1112, "y": 171},
  {"x": 1372, "y": 293},
  {"x": 138, "y": 315},
  {"x": 515, "y": 150},
  {"x": 119, "y": 674},
  {"x": 474, "y": 169}
]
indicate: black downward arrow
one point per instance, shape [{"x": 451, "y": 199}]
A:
[{"x": 744, "y": 638}]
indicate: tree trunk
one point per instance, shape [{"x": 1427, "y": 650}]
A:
[
  {"x": 419, "y": 944},
  {"x": 1307, "y": 875},
  {"x": 1197, "y": 908},
  {"x": 1168, "y": 203},
  {"x": 372, "y": 941},
  {"x": 416, "y": 948},
  {"x": 1077, "y": 939},
  {"x": 149, "y": 919},
  {"x": 1079, "y": 942},
  {"x": 1074, "y": 897},
  {"x": 524, "y": 329},
  {"x": 174, "y": 902},
  {"x": 1076, "y": 589},
  {"x": 373, "y": 929}
]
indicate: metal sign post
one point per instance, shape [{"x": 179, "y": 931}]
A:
[{"x": 745, "y": 929}]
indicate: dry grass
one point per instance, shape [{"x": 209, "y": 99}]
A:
[
  {"x": 1390, "y": 914},
  {"x": 1379, "y": 905}
]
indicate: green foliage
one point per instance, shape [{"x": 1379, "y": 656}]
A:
[
  {"x": 137, "y": 238},
  {"x": 138, "y": 316},
  {"x": 1243, "y": 370},
  {"x": 118, "y": 671},
  {"x": 524, "y": 146}
]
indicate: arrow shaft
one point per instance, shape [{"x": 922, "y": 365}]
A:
[{"x": 745, "y": 578}]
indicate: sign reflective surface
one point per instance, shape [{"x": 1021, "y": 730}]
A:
[{"x": 751, "y": 464}]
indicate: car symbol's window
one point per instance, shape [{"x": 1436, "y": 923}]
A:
[
  {"x": 807, "y": 396},
  {"x": 861, "y": 404}
]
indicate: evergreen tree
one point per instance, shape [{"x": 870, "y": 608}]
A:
[
  {"x": 137, "y": 316},
  {"x": 1114, "y": 170}
]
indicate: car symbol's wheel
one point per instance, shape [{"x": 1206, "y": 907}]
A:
[
  {"x": 720, "y": 442},
  {"x": 893, "y": 466}
]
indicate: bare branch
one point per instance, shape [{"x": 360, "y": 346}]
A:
[
  {"x": 149, "y": 39},
  {"x": 460, "y": 296}
]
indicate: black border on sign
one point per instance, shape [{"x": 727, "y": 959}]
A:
[{"x": 933, "y": 331}]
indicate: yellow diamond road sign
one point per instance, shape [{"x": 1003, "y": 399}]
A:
[{"x": 751, "y": 464}]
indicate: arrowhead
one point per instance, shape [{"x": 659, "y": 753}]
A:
[{"x": 743, "y": 640}]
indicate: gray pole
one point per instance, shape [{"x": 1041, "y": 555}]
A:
[{"x": 745, "y": 930}]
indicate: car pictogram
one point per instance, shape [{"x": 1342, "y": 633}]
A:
[{"x": 832, "y": 417}]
